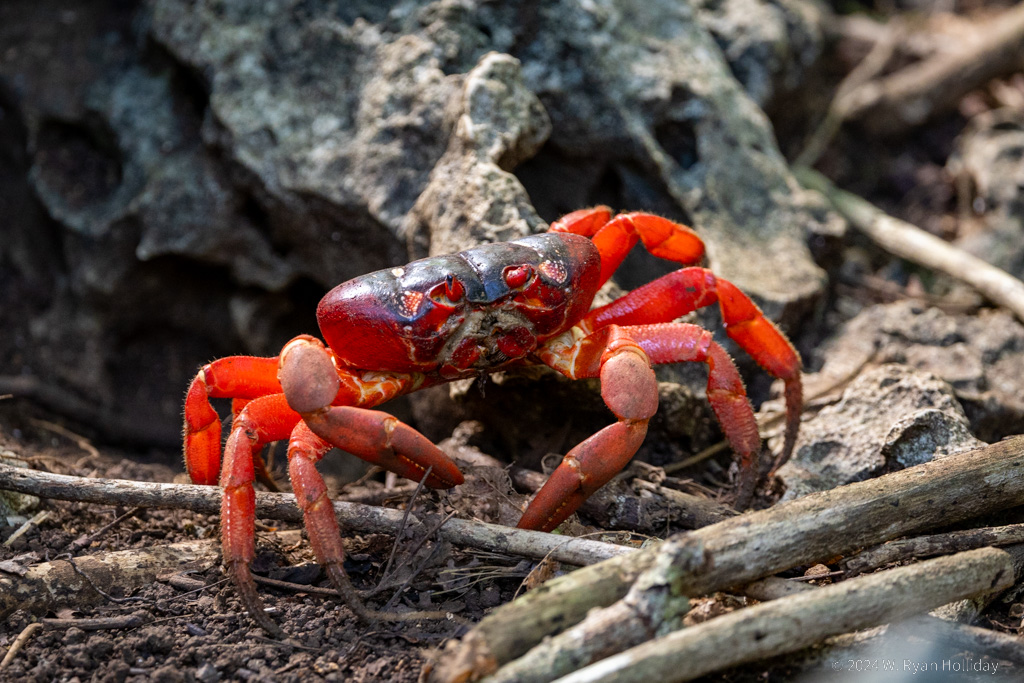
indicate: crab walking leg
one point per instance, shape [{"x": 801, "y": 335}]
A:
[
  {"x": 682, "y": 342},
  {"x": 237, "y": 377},
  {"x": 688, "y": 289},
  {"x": 615, "y": 237},
  {"x": 305, "y": 449},
  {"x": 629, "y": 389},
  {"x": 263, "y": 420},
  {"x": 311, "y": 383}
]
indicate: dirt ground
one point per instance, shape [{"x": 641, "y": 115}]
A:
[{"x": 204, "y": 635}]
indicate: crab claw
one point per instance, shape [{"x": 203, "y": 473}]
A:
[
  {"x": 311, "y": 384},
  {"x": 307, "y": 375}
]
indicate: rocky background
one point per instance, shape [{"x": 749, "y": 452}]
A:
[
  {"x": 182, "y": 180},
  {"x": 185, "y": 180}
]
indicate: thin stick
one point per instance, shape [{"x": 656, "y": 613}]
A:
[
  {"x": 816, "y": 527},
  {"x": 789, "y": 624},
  {"x": 23, "y": 529},
  {"x": 841, "y": 103},
  {"x": 910, "y": 242},
  {"x": 96, "y": 624},
  {"x": 19, "y": 643},
  {"x": 352, "y": 516},
  {"x": 412, "y": 553},
  {"x": 405, "y": 522},
  {"x": 85, "y": 541},
  {"x": 936, "y": 544},
  {"x": 293, "y": 587}
]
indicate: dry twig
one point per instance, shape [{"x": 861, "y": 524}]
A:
[
  {"x": 929, "y": 546},
  {"x": 97, "y": 624},
  {"x": 758, "y": 544},
  {"x": 19, "y": 643},
  {"x": 352, "y": 516},
  {"x": 910, "y": 242},
  {"x": 37, "y": 518},
  {"x": 789, "y": 624}
]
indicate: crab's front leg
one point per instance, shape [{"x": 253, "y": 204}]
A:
[
  {"x": 305, "y": 449},
  {"x": 623, "y": 356},
  {"x": 688, "y": 289},
  {"x": 263, "y": 420},
  {"x": 629, "y": 389}
]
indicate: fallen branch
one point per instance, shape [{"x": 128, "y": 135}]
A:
[
  {"x": 913, "y": 244},
  {"x": 351, "y": 516},
  {"x": 817, "y": 527},
  {"x": 652, "y": 606},
  {"x": 789, "y": 624},
  {"x": 930, "y": 546},
  {"x": 52, "y": 585},
  {"x": 934, "y": 85}
]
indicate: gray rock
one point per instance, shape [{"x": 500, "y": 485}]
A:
[
  {"x": 890, "y": 417},
  {"x": 208, "y": 170},
  {"x": 472, "y": 196},
  {"x": 979, "y": 356}
]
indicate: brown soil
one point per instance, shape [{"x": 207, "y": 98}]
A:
[{"x": 205, "y": 635}]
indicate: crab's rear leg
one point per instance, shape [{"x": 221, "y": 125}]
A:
[
  {"x": 629, "y": 389},
  {"x": 615, "y": 237},
  {"x": 312, "y": 384},
  {"x": 238, "y": 377},
  {"x": 682, "y": 342},
  {"x": 688, "y": 289}
]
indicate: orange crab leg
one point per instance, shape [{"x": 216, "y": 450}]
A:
[
  {"x": 629, "y": 389},
  {"x": 305, "y": 449},
  {"x": 263, "y": 420},
  {"x": 311, "y": 383},
  {"x": 615, "y": 237},
  {"x": 688, "y": 289},
  {"x": 682, "y": 342},
  {"x": 238, "y": 377}
]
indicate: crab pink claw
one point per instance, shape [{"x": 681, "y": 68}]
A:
[{"x": 462, "y": 315}]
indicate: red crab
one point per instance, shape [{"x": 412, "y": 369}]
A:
[{"x": 447, "y": 317}]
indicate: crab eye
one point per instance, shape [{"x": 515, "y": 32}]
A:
[
  {"x": 453, "y": 289},
  {"x": 517, "y": 276},
  {"x": 449, "y": 292}
]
